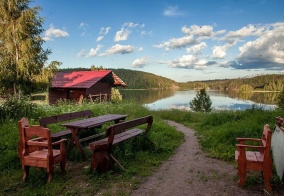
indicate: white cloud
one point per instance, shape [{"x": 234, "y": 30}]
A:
[
  {"x": 122, "y": 35},
  {"x": 81, "y": 53},
  {"x": 133, "y": 25},
  {"x": 190, "y": 62},
  {"x": 104, "y": 31},
  {"x": 196, "y": 49},
  {"x": 94, "y": 52},
  {"x": 173, "y": 11},
  {"x": 140, "y": 63},
  {"x": 177, "y": 43},
  {"x": 264, "y": 52},
  {"x": 100, "y": 38},
  {"x": 118, "y": 49},
  {"x": 140, "y": 49},
  {"x": 144, "y": 33},
  {"x": 219, "y": 52},
  {"x": 54, "y": 33}
]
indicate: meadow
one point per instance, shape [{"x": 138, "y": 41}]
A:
[{"x": 216, "y": 132}]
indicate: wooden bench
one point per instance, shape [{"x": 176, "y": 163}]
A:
[
  {"x": 115, "y": 134},
  {"x": 259, "y": 160},
  {"x": 61, "y": 118}
]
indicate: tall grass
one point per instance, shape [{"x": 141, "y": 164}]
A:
[
  {"x": 217, "y": 131},
  {"x": 139, "y": 155}
]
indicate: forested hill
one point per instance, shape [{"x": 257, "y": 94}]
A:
[
  {"x": 143, "y": 80},
  {"x": 269, "y": 82}
]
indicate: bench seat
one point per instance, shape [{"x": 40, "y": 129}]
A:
[{"x": 115, "y": 134}]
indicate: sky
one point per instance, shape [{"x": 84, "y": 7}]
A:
[{"x": 183, "y": 40}]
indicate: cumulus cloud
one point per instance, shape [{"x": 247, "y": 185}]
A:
[
  {"x": 190, "y": 62},
  {"x": 196, "y": 49},
  {"x": 202, "y": 32},
  {"x": 118, "y": 49},
  {"x": 94, "y": 51},
  {"x": 52, "y": 33},
  {"x": 264, "y": 52},
  {"x": 173, "y": 11},
  {"x": 122, "y": 35},
  {"x": 177, "y": 43},
  {"x": 140, "y": 63},
  {"x": 194, "y": 34}
]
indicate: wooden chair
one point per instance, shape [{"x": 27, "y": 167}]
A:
[
  {"x": 255, "y": 160},
  {"x": 37, "y": 150}
]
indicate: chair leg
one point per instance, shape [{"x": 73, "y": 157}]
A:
[
  {"x": 266, "y": 177},
  {"x": 26, "y": 172},
  {"x": 242, "y": 174},
  {"x": 63, "y": 165},
  {"x": 50, "y": 171}
]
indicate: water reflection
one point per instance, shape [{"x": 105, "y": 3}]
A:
[{"x": 167, "y": 99}]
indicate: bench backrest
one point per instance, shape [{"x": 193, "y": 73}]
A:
[
  {"x": 119, "y": 127},
  {"x": 64, "y": 117}
]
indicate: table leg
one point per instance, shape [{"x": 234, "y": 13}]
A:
[{"x": 75, "y": 139}]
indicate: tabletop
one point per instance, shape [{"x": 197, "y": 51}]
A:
[{"x": 95, "y": 121}]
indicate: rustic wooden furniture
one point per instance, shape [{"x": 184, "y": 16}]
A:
[
  {"x": 114, "y": 135},
  {"x": 255, "y": 160},
  {"x": 87, "y": 123},
  {"x": 45, "y": 156},
  {"x": 61, "y": 118}
]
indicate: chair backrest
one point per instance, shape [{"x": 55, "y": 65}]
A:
[
  {"x": 24, "y": 122},
  {"x": 266, "y": 140},
  {"x": 36, "y": 137}
]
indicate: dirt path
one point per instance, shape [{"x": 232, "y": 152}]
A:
[{"x": 190, "y": 172}]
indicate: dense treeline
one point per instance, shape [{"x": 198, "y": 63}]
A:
[{"x": 269, "y": 82}]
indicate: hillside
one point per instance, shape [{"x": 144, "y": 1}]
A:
[
  {"x": 269, "y": 82},
  {"x": 144, "y": 80}
]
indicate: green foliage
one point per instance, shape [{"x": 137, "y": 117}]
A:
[
  {"x": 143, "y": 80},
  {"x": 202, "y": 102},
  {"x": 15, "y": 108},
  {"x": 21, "y": 56}
]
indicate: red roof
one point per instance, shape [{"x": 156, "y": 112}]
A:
[{"x": 83, "y": 79}]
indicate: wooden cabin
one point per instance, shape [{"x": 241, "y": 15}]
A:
[{"x": 76, "y": 85}]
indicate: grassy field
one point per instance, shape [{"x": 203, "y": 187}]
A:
[{"x": 216, "y": 132}]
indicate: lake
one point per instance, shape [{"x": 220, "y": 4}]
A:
[{"x": 179, "y": 99}]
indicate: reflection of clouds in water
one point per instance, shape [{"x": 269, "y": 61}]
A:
[{"x": 220, "y": 101}]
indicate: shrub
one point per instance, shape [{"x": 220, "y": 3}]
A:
[{"x": 202, "y": 102}]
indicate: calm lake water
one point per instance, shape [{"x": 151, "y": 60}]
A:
[{"x": 167, "y": 99}]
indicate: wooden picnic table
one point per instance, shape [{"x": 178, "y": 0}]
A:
[{"x": 76, "y": 126}]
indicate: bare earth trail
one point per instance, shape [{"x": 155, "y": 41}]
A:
[{"x": 190, "y": 172}]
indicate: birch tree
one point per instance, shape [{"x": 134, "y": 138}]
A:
[{"x": 22, "y": 57}]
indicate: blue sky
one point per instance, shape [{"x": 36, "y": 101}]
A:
[{"x": 184, "y": 40}]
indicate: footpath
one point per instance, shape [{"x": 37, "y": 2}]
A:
[{"x": 190, "y": 172}]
